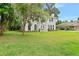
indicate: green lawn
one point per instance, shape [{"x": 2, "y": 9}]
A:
[{"x": 53, "y": 43}]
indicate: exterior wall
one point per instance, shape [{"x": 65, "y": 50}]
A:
[
  {"x": 32, "y": 27},
  {"x": 77, "y": 28},
  {"x": 52, "y": 24},
  {"x": 26, "y": 27},
  {"x": 44, "y": 27},
  {"x": 37, "y": 24}
]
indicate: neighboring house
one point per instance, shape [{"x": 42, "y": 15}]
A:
[
  {"x": 69, "y": 26},
  {"x": 49, "y": 24}
]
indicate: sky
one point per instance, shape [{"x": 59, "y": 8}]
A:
[{"x": 68, "y": 11}]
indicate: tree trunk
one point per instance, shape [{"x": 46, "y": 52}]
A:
[
  {"x": 24, "y": 23},
  {"x": 1, "y": 30},
  {"x": 1, "y": 24},
  {"x": 23, "y": 29}
]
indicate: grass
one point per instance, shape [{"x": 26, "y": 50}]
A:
[{"x": 55, "y": 43}]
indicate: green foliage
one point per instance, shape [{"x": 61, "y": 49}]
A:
[
  {"x": 5, "y": 9},
  {"x": 71, "y": 21},
  {"x": 52, "y": 9},
  {"x": 65, "y": 21},
  {"x": 56, "y": 11},
  {"x": 78, "y": 19},
  {"x": 6, "y": 12},
  {"x": 58, "y": 22}
]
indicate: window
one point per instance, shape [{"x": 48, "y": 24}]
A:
[
  {"x": 42, "y": 26},
  {"x": 53, "y": 27},
  {"x": 52, "y": 19},
  {"x": 35, "y": 27}
]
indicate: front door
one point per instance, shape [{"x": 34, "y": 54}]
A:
[{"x": 35, "y": 27}]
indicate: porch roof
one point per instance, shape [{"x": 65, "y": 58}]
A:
[{"x": 69, "y": 24}]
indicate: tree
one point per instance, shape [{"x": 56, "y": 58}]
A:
[
  {"x": 22, "y": 10},
  {"x": 49, "y": 7},
  {"x": 58, "y": 22},
  {"x": 52, "y": 9},
  {"x": 78, "y": 19},
  {"x": 30, "y": 12},
  {"x": 5, "y": 8},
  {"x": 65, "y": 21},
  {"x": 71, "y": 21}
]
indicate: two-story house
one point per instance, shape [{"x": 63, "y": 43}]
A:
[{"x": 45, "y": 26}]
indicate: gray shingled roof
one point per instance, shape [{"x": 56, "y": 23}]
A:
[{"x": 69, "y": 24}]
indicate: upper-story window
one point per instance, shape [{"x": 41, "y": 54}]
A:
[{"x": 51, "y": 20}]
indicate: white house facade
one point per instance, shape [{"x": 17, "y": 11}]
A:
[{"x": 48, "y": 25}]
